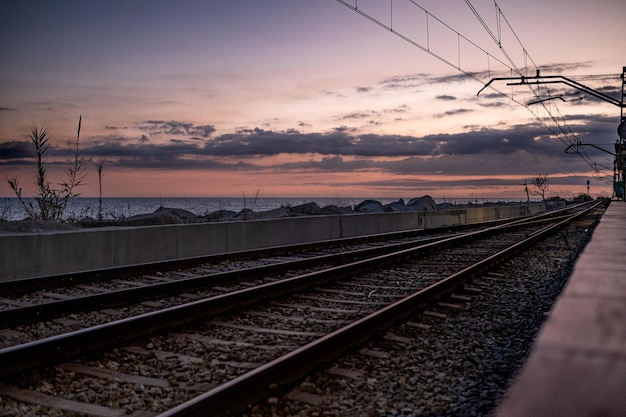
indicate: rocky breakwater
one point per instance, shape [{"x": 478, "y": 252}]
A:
[{"x": 164, "y": 215}]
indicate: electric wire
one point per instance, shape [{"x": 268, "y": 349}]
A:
[
  {"x": 553, "y": 120},
  {"x": 562, "y": 130},
  {"x": 427, "y": 49}
]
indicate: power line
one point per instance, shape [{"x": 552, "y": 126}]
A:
[
  {"x": 427, "y": 47},
  {"x": 551, "y": 118},
  {"x": 560, "y": 129}
]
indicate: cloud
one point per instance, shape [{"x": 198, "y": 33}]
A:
[
  {"x": 399, "y": 109},
  {"x": 357, "y": 115},
  {"x": 517, "y": 149},
  {"x": 172, "y": 127},
  {"x": 563, "y": 68},
  {"x": 403, "y": 82},
  {"x": 497, "y": 104},
  {"x": 453, "y": 112},
  {"x": 445, "y": 97},
  {"x": 15, "y": 150}
]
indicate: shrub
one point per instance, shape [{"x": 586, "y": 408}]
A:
[{"x": 50, "y": 202}]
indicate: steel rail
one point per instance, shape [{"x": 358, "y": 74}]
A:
[
  {"x": 249, "y": 388},
  {"x": 24, "y": 285},
  {"x": 64, "y": 347},
  {"x": 117, "y": 298}
]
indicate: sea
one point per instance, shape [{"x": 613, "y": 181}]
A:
[{"x": 123, "y": 207}]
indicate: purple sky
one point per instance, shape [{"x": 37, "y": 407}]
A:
[{"x": 306, "y": 98}]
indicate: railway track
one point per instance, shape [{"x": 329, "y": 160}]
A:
[
  {"x": 46, "y": 298},
  {"x": 210, "y": 353}
]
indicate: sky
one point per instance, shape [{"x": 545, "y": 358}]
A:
[{"x": 303, "y": 98}]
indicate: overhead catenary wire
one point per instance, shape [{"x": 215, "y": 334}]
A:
[
  {"x": 551, "y": 118},
  {"x": 481, "y": 77},
  {"x": 561, "y": 130}
]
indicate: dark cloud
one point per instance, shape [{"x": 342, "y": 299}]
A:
[
  {"x": 497, "y": 104},
  {"x": 453, "y": 112},
  {"x": 400, "y": 109},
  {"x": 172, "y": 127},
  {"x": 359, "y": 115},
  {"x": 403, "y": 82},
  {"x": 344, "y": 129},
  {"x": 15, "y": 150},
  {"x": 491, "y": 96},
  {"x": 517, "y": 149},
  {"x": 7, "y": 109},
  {"x": 445, "y": 97},
  {"x": 562, "y": 68},
  {"x": 455, "y": 78}
]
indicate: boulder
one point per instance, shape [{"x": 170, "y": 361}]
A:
[
  {"x": 247, "y": 214},
  {"x": 425, "y": 203},
  {"x": 397, "y": 206},
  {"x": 308, "y": 209},
  {"x": 162, "y": 215},
  {"x": 185, "y": 215},
  {"x": 369, "y": 206},
  {"x": 332, "y": 209},
  {"x": 277, "y": 213},
  {"x": 220, "y": 215}
]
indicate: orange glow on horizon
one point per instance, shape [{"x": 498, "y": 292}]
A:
[{"x": 367, "y": 184}]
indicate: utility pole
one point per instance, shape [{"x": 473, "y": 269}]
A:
[
  {"x": 619, "y": 182},
  {"x": 620, "y": 148}
]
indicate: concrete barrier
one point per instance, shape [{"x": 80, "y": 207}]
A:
[{"x": 30, "y": 255}]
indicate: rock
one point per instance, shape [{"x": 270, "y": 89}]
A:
[
  {"x": 397, "y": 206},
  {"x": 31, "y": 226},
  {"x": 332, "y": 209},
  {"x": 307, "y": 387},
  {"x": 369, "y": 206},
  {"x": 185, "y": 215},
  {"x": 278, "y": 213},
  {"x": 308, "y": 209},
  {"x": 220, "y": 215},
  {"x": 161, "y": 216},
  {"x": 425, "y": 203}
]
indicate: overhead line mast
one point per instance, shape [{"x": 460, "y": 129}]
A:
[
  {"x": 552, "y": 118},
  {"x": 619, "y": 170}
]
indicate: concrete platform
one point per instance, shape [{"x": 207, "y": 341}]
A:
[{"x": 577, "y": 367}]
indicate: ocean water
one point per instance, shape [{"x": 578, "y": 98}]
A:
[{"x": 118, "y": 208}]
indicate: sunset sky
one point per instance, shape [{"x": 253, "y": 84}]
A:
[{"x": 307, "y": 98}]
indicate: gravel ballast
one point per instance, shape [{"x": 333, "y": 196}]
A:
[
  {"x": 456, "y": 358},
  {"x": 459, "y": 364}
]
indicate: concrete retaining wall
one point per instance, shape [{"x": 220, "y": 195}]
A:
[{"x": 30, "y": 255}]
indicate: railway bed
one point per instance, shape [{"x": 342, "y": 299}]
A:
[{"x": 261, "y": 332}]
